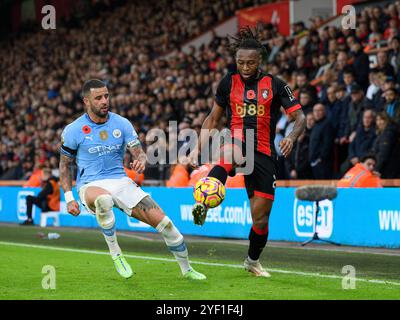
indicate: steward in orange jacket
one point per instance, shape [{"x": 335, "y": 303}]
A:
[
  {"x": 179, "y": 176},
  {"x": 361, "y": 175},
  {"x": 48, "y": 198},
  {"x": 136, "y": 177}
]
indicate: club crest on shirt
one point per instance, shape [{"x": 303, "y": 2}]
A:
[
  {"x": 103, "y": 135},
  {"x": 265, "y": 93},
  {"x": 116, "y": 133}
]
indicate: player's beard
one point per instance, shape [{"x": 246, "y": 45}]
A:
[{"x": 101, "y": 112}]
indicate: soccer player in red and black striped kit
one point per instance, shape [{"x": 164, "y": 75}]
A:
[{"x": 251, "y": 99}]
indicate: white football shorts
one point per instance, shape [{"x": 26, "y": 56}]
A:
[{"x": 125, "y": 193}]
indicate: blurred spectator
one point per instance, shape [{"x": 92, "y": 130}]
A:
[
  {"x": 306, "y": 101},
  {"x": 321, "y": 144},
  {"x": 373, "y": 87},
  {"x": 386, "y": 146},
  {"x": 363, "y": 142},
  {"x": 394, "y": 55},
  {"x": 362, "y": 175},
  {"x": 358, "y": 104},
  {"x": 303, "y": 85},
  {"x": 360, "y": 64},
  {"x": 330, "y": 101},
  {"x": 349, "y": 79},
  {"x": 341, "y": 63},
  {"x": 299, "y": 163},
  {"x": 392, "y": 105},
  {"x": 383, "y": 64},
  {"x": 339, "y": 110}
]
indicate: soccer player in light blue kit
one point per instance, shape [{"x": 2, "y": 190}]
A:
[{"x": 97, "y": 141}]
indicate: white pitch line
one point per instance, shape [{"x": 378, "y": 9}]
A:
[
  {"x": 134, "y": 236},
  {"x": 214, "y": 264}
]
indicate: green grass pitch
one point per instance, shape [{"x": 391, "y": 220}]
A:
[{"x": 84, "y": 270}]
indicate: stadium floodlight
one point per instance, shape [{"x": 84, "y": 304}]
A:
[{"x": 316, "y": 193}]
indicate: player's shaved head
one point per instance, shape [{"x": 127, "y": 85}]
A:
[
  {"x": 96, "y": 99},
  {"x": 91, "y": 84}
]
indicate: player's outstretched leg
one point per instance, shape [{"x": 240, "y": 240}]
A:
[
  {"x": 106, "y": 220},
  {"x": 176, "y": 244},
  {"x": 149, "y": 212}
]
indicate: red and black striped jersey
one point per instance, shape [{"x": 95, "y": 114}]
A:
[{"x": 255, "y": 104}]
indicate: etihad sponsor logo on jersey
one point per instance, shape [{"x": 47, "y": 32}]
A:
[{"x": 102, "y": 150}]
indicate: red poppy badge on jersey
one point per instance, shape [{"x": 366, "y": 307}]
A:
[
  {"x": 86, "y": 129},
  {"x": 250, "y": 94}
]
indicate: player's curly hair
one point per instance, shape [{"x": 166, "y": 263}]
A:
[{"x": 246, "y": 39}]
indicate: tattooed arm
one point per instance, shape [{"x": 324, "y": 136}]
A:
[
  {"x": 139, "y": 158},
  {"x": 65, "y": 172},
  {"x": 66, "y": 182},
  {"x": 287, "y": 143}
]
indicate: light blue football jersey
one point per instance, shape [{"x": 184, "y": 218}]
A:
[{"x": 99, "y": 148}]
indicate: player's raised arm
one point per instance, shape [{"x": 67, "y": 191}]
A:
[{"x": 211, "y": 122}]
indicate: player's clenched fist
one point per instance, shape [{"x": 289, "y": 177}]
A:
[
  {"x": 138, "y": 165},
  {"x": 73, "y": 208}
]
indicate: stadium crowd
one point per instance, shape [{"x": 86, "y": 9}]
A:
[{"x": 352, "y": 106}]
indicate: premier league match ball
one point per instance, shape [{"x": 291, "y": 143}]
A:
[{"x": 209, "y": 191}]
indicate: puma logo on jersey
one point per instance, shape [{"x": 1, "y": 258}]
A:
[{"x": 89, "y": 138}]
